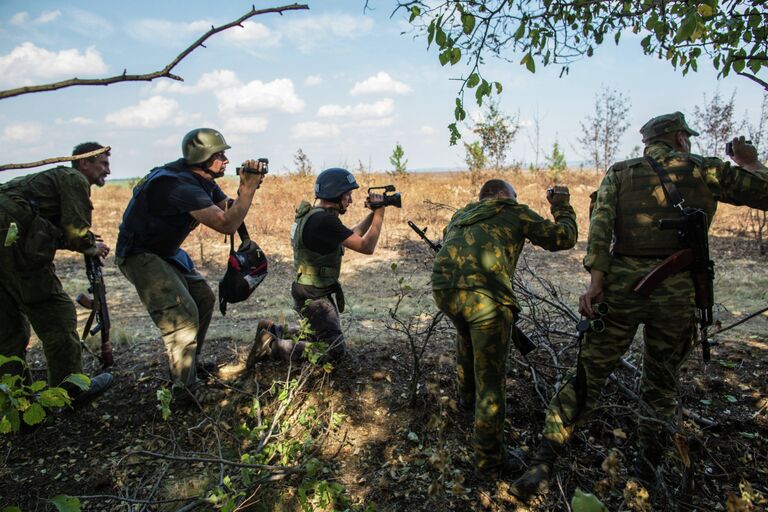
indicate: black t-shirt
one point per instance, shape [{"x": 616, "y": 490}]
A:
[
  {"x": 177, "y": 197},
  {"x": 323, "y": 233}
]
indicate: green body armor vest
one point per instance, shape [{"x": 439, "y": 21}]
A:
[
  {"x": 642, "y": 203},
  {"x": 312, "y": 268}
]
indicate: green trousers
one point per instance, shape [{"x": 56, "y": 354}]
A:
[
  {"x": 180, "y": 304},
  {"x": 34, "y": 296},
  {"x": 482, "y": 343},
  {"x": 669, "y": 335}
]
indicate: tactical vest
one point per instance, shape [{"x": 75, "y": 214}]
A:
[
  {"x": 642, "y": 204},
  {"x": 312, "y": 268},
  {"x": 141, "y": 231}
]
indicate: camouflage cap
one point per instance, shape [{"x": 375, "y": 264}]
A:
[{"x": 667, "y": 123}]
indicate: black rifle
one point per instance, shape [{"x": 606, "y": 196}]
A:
[
  {"x": 692, "y": 229},
  {"x": 98, "y": 306},
  {"x": 522, "y": 342}
]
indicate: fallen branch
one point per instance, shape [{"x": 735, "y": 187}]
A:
[
  {"x": 55, "y": 160},
  {"x": 148, "y": 77},
  {"x": 207, "y": 460}
]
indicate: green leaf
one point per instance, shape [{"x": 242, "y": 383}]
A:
[
  {"x": 749, "y": 435},
  {"x": 455, "y": 134},
  {"x": 473, "y": 80},
  {"x": 686, "y": 29},
  {"x": 54, "y": 397},
  {"x": 585, "y": 502},
  {"x": 520, "y": 32},
  {"x": 529, "y": 63},
  {"x": 34, "y": 415},
  {"x": 444, "y": 57},
  {"x": 37, "y": 386},
  {"x": 455, "y": 56},
  {"x": 440, "y": 37},
  {"x": 705, "y": 10},
  {"x": 415, "y": 12},
  {"x": 467, "y": 23},
  {"x": 79, "y": 380},
  {"x": 5, "y": 425},
  {"x": 10, "y": 509},
  {"x": 64, "y": 503},
  {"x": 11, "y": 359},
  {"x": 498, "y": 87},
  {"x": 705, "y": 401},
  {"x": 731, "y": 398}
]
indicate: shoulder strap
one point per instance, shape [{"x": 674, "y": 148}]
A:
[
  {"x": 670, "y": 190},
  {"x": 242, "y": 231}
]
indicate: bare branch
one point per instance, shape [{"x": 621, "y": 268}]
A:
[
  {"x": 148, "y": 77},
  {"x": 752, "y": 77},
  {"x": 6, "y": 167}
]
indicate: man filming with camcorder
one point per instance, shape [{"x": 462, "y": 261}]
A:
[{"x": 318, "y": 238}]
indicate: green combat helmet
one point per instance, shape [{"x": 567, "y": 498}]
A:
[
  {"x": 201, "y": 144},
  {"x": 667, "y": 123}
]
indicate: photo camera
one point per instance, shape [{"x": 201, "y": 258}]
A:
[
  {"x": 391, "y": 198},
  {"x": 251, "y": 170}
]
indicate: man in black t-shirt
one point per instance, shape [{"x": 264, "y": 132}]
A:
[
  {"x": 166, "y": 206},
  {"x": 318, "y": 238}
]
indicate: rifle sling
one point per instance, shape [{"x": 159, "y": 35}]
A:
[{"x": 670, "y": 190}]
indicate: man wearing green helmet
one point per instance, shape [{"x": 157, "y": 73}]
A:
[
  {"x": 167, "y": 204},
  {"x": 627, "y": 242},
  {"x": 318, "y": 238}
]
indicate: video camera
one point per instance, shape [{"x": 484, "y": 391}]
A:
[
  {"x": 729, "y": 147},
  {"x": 251, "y": 170},
  {"x": 389, "y": 200}
]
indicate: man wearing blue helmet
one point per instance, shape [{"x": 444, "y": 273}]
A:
[{"x": 318, "y": 238}]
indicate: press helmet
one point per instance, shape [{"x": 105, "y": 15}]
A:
[
  {"x": 333, "y": 183},
  {"x": 201, "y": 144}
]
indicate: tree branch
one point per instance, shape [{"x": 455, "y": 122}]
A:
[
  {"x": 148, "y": 77},
  {"x": 6, "y": 167},
  {"x": 752, "y": 77}
]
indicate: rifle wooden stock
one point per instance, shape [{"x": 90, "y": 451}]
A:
[{"x": 677, "y": 262}]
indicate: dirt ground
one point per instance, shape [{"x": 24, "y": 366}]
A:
[{"x": 384, "y": 449}]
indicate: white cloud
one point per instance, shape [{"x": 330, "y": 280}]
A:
[
  {"x": 252, "y": 32},
  {"x": 88, "y": 24},
  {"x": 245, "y": 125},
  {"x": 381, "y": 108},
  {"x": 23, "y": 132},
  {"x": 257, "y": 95},
  {"x": 27, "y": 63},
  {"x": 220, "y": 78},
  {"x": 310, "y": 32},
  {"x": 47, "y": 17},
  {"x": 313, "y": 80},
  {"x": 155, "y": 111},
  {"x": 166, "y": 32},
  {"x": 315, "y": 130},
  {"x": 19, "y": 18},
  {"x": 378, "y": 83},
  {"x": 374, "y": 123},
  {"x": 426, "y": 130},
  {"x": 171, "y": 141},
  {"x": 77, "y": 120}
]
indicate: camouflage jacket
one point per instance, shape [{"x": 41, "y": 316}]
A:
[
  {"x": 483, "y": 241},
  {"x": 718, "y": 181},
  {"x": 62, "y": 196}
]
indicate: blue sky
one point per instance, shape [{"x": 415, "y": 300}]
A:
[{"x": 340, "y": 83}]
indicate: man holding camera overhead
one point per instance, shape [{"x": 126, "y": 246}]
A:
[
  {"x": 167, "y": 205},
  {"x": 472, "y": 284},
  {"x": 318, "y": 238}
]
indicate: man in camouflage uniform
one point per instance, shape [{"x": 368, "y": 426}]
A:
[
  {"x": 625, "y": 244},
  {"x": 170, "y": 202},
  {"x": 472, "y": 285},
  {"x": 40, "y": 213}
]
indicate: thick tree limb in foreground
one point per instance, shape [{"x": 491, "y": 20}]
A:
[
  {"x": 148, "y": 77},
  {"x": 6, "y": 167}
]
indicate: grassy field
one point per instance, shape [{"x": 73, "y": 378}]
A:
[{"x": 373, "y": 441}]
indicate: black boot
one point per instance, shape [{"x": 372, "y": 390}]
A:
[
  {"x": 512, "y": 463},
  {"x": 536, "y": 479},
  {"x": 99, "y": 384}
]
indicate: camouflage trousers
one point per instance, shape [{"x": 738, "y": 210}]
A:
[
  {"x": 35, "y": 296},
  {"x": 669, "y": 332},
  {"x": 180, "y": 304},
  {"x": 482, "y": 343}
]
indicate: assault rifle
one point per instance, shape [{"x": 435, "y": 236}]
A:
[
  {"x": 522, "y": 342},
  {"x": 692, "y": 229},
  {"x": 98, "y": 306}
]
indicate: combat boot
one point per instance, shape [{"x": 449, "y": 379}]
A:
[
  {"x": 646, "y": 464},
  {"x": 512, "y": 463},
  {"x": 262, "y": 344},
  {"x": 99, "y": 384},
  {"x": 536, "y": 479}
]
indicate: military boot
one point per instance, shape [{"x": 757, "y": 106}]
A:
[
  {"x": 646, "y": 464},
  {"x": 536, "y": 479},
  {"x": 99, "y": 384},
  {"x": 262, "y": 344}
]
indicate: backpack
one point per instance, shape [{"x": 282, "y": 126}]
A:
[{"x": 246, "y": 269}]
